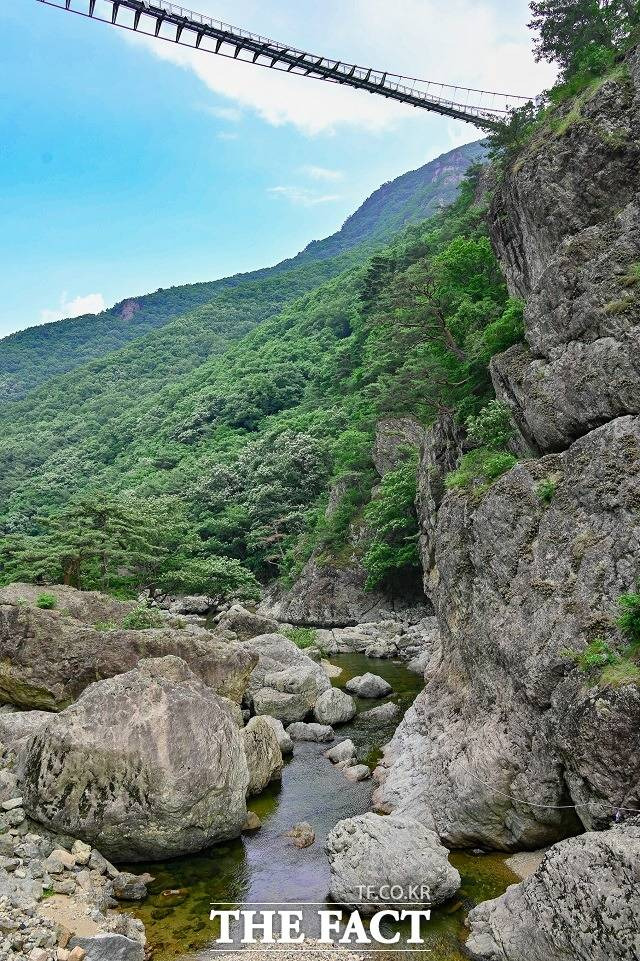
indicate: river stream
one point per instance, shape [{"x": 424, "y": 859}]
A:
[{"x": 266, "y": 867}]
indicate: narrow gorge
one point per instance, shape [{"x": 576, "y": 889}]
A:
[{"x": 374, "y": 617}]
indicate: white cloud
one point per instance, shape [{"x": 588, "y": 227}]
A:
[
  {"x": 90, "y": 304},
  {"x": 302, "y": 196},
  {"x": 477, "y": 43},
  {"x": 230, "y": 114},
  {"x": 225, "y": 135},
  {"x": 322, "y": 173}
]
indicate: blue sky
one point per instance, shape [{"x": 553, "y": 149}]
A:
[{"x": 128, "y": 164}]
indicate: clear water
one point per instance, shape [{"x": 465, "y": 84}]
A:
[{"x": 266, "y": 867}]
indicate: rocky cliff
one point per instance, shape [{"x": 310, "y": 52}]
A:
[{"x": 512, "y": 744}]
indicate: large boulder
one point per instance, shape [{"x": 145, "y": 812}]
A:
[
  {"x": 279, "y": 705},
  {"x": 284, "y": 741},
  {"x": 370, "y": 851},
  {"x": 49, "y": 657},
  {"x": 146, "y": 765},
  {"x": 582, "y": 903},
  {"x": 246, "y": 624},
  {"x": 369, "y": 685},
  {"x": 512, "y": 744},
  {"x": 334, "y": 707},
  {"x": 264, "y": 757},
  {"x": 310, "y": 732},
  {"x": 89, "y": 607},
  {"x": 286, "y": 682}
]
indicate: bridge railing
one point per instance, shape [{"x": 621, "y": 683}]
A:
[{"x": 462, "y": 102}]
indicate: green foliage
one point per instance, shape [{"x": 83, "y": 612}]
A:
[
  {"x": 629, "y": 619},
  {"x": 626, "y": 671},
  {"x": 215, "y": 457},
  {"x": 596, "y": 654},
  {"x": 392, "y": 556},
  {"x": 219, "y": 578},
  {"x": 478, "y": 468},
  {"x": 106, "y": 625},
  {"x": 546, "y": 490},
  {"x": 303, "y": 637},
  {"x": 493, "y": 427},
  {"x": 582, "y": 36},
  {"x": 46, "y": 602},
  {"x": 142, "y": 618}
]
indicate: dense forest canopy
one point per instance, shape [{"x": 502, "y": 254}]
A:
[{"x": 245, "y": 444}]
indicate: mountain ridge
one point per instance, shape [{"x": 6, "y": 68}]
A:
[{"x": 34, "y": 355}]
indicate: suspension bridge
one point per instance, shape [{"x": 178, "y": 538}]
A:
[{"x": 167, "y": 21}]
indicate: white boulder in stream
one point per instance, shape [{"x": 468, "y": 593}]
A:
[
  {"x": 146, "y": 765},
  {"x": 334, "y": 707},
  {"x": 371, "y": 851},
  {"x": 264, "y": 757},
  {"x": 310, "y": 732},
  {"x": 369, "y": 685}
]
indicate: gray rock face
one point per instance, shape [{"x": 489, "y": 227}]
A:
[
  {"x": 507, "y": 722},
  {"x": 396, "y": 437},
  {"x": 440, "y": 455},
  {"x": 285, "y": 708},
  {"x": 369, "y": 685},
  {"x": 18, "y": 727},
  {"x": 85, "y": 606},
  {"x": 571, "y": 252},
  {"x": 310, "y": 732},
  {"x": 334, "y": 707},
  {"x": 146, "y": 765},
  {"x": 582, "y": 903},
  {"x": 374, "y": 851},
  {"x": 49, "y": 658},
  {"x": 264, "y": 757}
]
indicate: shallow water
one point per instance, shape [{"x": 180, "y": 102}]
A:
[{"x": 266, "y": 867}]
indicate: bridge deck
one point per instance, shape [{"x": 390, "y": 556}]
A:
[{"x": 169, "y": 21}]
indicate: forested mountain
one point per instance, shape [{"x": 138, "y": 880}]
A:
[
  {"x": 248, "y": 442},
  {"x": 32, "y": 356}
]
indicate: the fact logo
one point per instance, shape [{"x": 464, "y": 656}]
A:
[{"x": 373, "y": 921}]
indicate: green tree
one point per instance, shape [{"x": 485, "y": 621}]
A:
[
  {"x": 575, "y": 33},
  {"x": 392, "y": 557}
]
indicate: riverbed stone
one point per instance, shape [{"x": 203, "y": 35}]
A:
[
  {"x": 302, "y": 835},
  {"x": 145, "y": 765},
  {"x": 371, "y": 851},
  {"x": 344, "y": 751},
  {"x": 264, "y": 757},
  {"x": 109, "y": 947},
  {"x": 310, "y": 732},
  {"x": 357, "y": 772},
  {"x": 379, "y": 716},
  {"x": 334, "y": 707},
  {"x": 369, "y": 685},
  {"x": 246, "y": 624}
]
